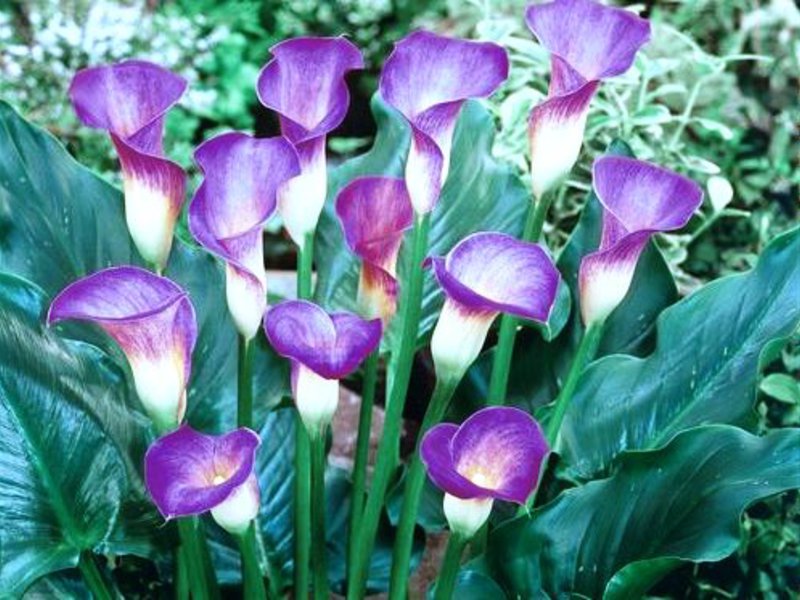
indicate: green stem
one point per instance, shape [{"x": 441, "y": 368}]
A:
[
  {"x": 302, "y": 457},
  {"x": 202, "y": 580},
  {"x": 181, "y": 576},
  {"x": 362, "y": 452},
  {"x": 318, "y": 516},
  {"x": 586, "y": 352},
  {"x": 411, "y": 305},
  {"x": 245, "y": 383},
  {"x": 94, "y": 579},
  {"x": 451, "y": 562},
  {"x": 501, "y": 367},
  {"x": 252, "y": 578},
  {"x": 412, "y": 492}
]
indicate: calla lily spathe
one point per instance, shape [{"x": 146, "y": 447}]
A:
[
  {"x": 588, "y": 42},
  {"x": 323, "y": 348},
  {"x": 496, "y": 454},
  {"x": 152, "y": 320},
  {"x": 227, "y": 215},
  {"x": 375, "y": 213},
  {"x": 427, "y": 78},
  {"x": 305, "y": 84},
  {"x": 482, "y": 276},
  {"x": 638, "y": 199},
  {"x": 130, "y": 101},
  {"x": 189, "y": 473}
]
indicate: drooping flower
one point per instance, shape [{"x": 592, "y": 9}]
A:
[
  {"x": 496, "y": 454},
  {"x": 482, "y": 276},
  {"x": 428, "y": 77},
  {"x": 188, "y": 473},
  {"x": 130, "y": 100},
  {"x": 323, "y": 348},
  {"x": 588, "y": 42},
  {"x": 304, "y": 83},
  {"x": 638, "y": 199},
  {"x": 375, "y": 212},
  {"x": 152, "y": 320},
  {"x": 229, "y": 209}
]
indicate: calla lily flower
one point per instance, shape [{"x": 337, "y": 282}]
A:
[
  {"x": 323, "y": 348},
  {"x": 638, "y": 199},
  {"x": 496, "y": 454},
  {"x": 152, "y": 320},
  {"x": 130, "y": 100},
  {"x": 588, "y": 42},
  {"x": 482, "y": 276},
  {"x": 304, "y": 83},
  {"x": 427, "y": 78},
  {"x": 375, "y": 212},
  {"x": 228, "y": 212},
  {"x": 188, "y": 473}
]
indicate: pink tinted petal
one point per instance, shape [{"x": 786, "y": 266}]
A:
[
  {"x": 595, "y": 40},
  {"x": 436, "y": 454},
  {"x": 188, "y": 473},
  {"x": 500, "y": 449},
  {"x": 330, "y": 345},
  {"x": 377, "y": 293},
  {"x": 494, "y": 272},
  {"x": 304, "y": 83},
  {"x": 642, "y": 196}
]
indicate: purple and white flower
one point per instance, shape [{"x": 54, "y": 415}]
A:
[
  {"x": 638, "y": 199},
  {"x": 227, "y": 215},
  {"x": 130, "y": 101},
  {"x": 152, "y": 321}
]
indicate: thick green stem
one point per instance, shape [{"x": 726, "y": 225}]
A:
[
  {"x": 318, "y": 516},
  {"x": 586, "y": 351},
  {"x": 501, "y": 367},
  {"x": 244, "y": 415},
  {"x": 202, "y": 580},
  {"x": 412, "y": 492},
  {"x": 94, "y": 579},
  {"x": 252, "y": 577},
  {"x": 302, "y": 457},
  {"x": 411, "y": 304},
  {"x": 181, "y": 575},
  {"x": 362, "y": 452},
  {"x": 451, "y": 562}
]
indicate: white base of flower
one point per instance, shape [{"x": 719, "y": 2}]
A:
[
  {"x": 239, "y": 509},
  {"x": 161, "y": 388},
  {"x": 300, "y": 200},
  {"x": 246, "y": 303},
  {"x": 466, "y": 517},
  {"x": 602, "y": 292},
  {"x": 150, "y": 221},
  {"x": 457, "y": 339},
  {"x": 316, "y": 399},
  {"x": 555, "y": 146}
]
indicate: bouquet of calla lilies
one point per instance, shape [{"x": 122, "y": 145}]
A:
[{"x": 574, "y": 444}]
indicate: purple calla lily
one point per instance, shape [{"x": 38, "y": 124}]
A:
[
  {"x": 375, "y": 212},
  {"x": 496, "y": 454},
  {"x": 323, "y": 348},
  {"x": 189, "y": 473},
  {"x": 304, "y": 83},
  {"x": 427, "y": 78},
  {"x": 130, "y": 100},
  {"x": 152, "y": 320},
  {"x": 588, "y": 42},
  {"x": 482, "y": 276},
  {"x": 229, "y": 210},
  {"x": 638, "y": 199}
]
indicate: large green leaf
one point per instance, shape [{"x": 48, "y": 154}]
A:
[
  {"x": 62, "y": 472},
  {"x": 480, "y": 194},
  {"x": 680, "y": 503},
  {"x": 703, "y": 370}
]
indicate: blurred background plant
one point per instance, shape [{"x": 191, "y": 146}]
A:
[{"x": 715, "y": 95}]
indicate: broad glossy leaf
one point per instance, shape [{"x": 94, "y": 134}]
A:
[
  {"x": 480, "y": 194},
  {"x": 473, "y": 585},
  {"x": 703, "y": 370},
  {"x": 680, "y": 503},
  {"x": 62, "y": 474}
]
